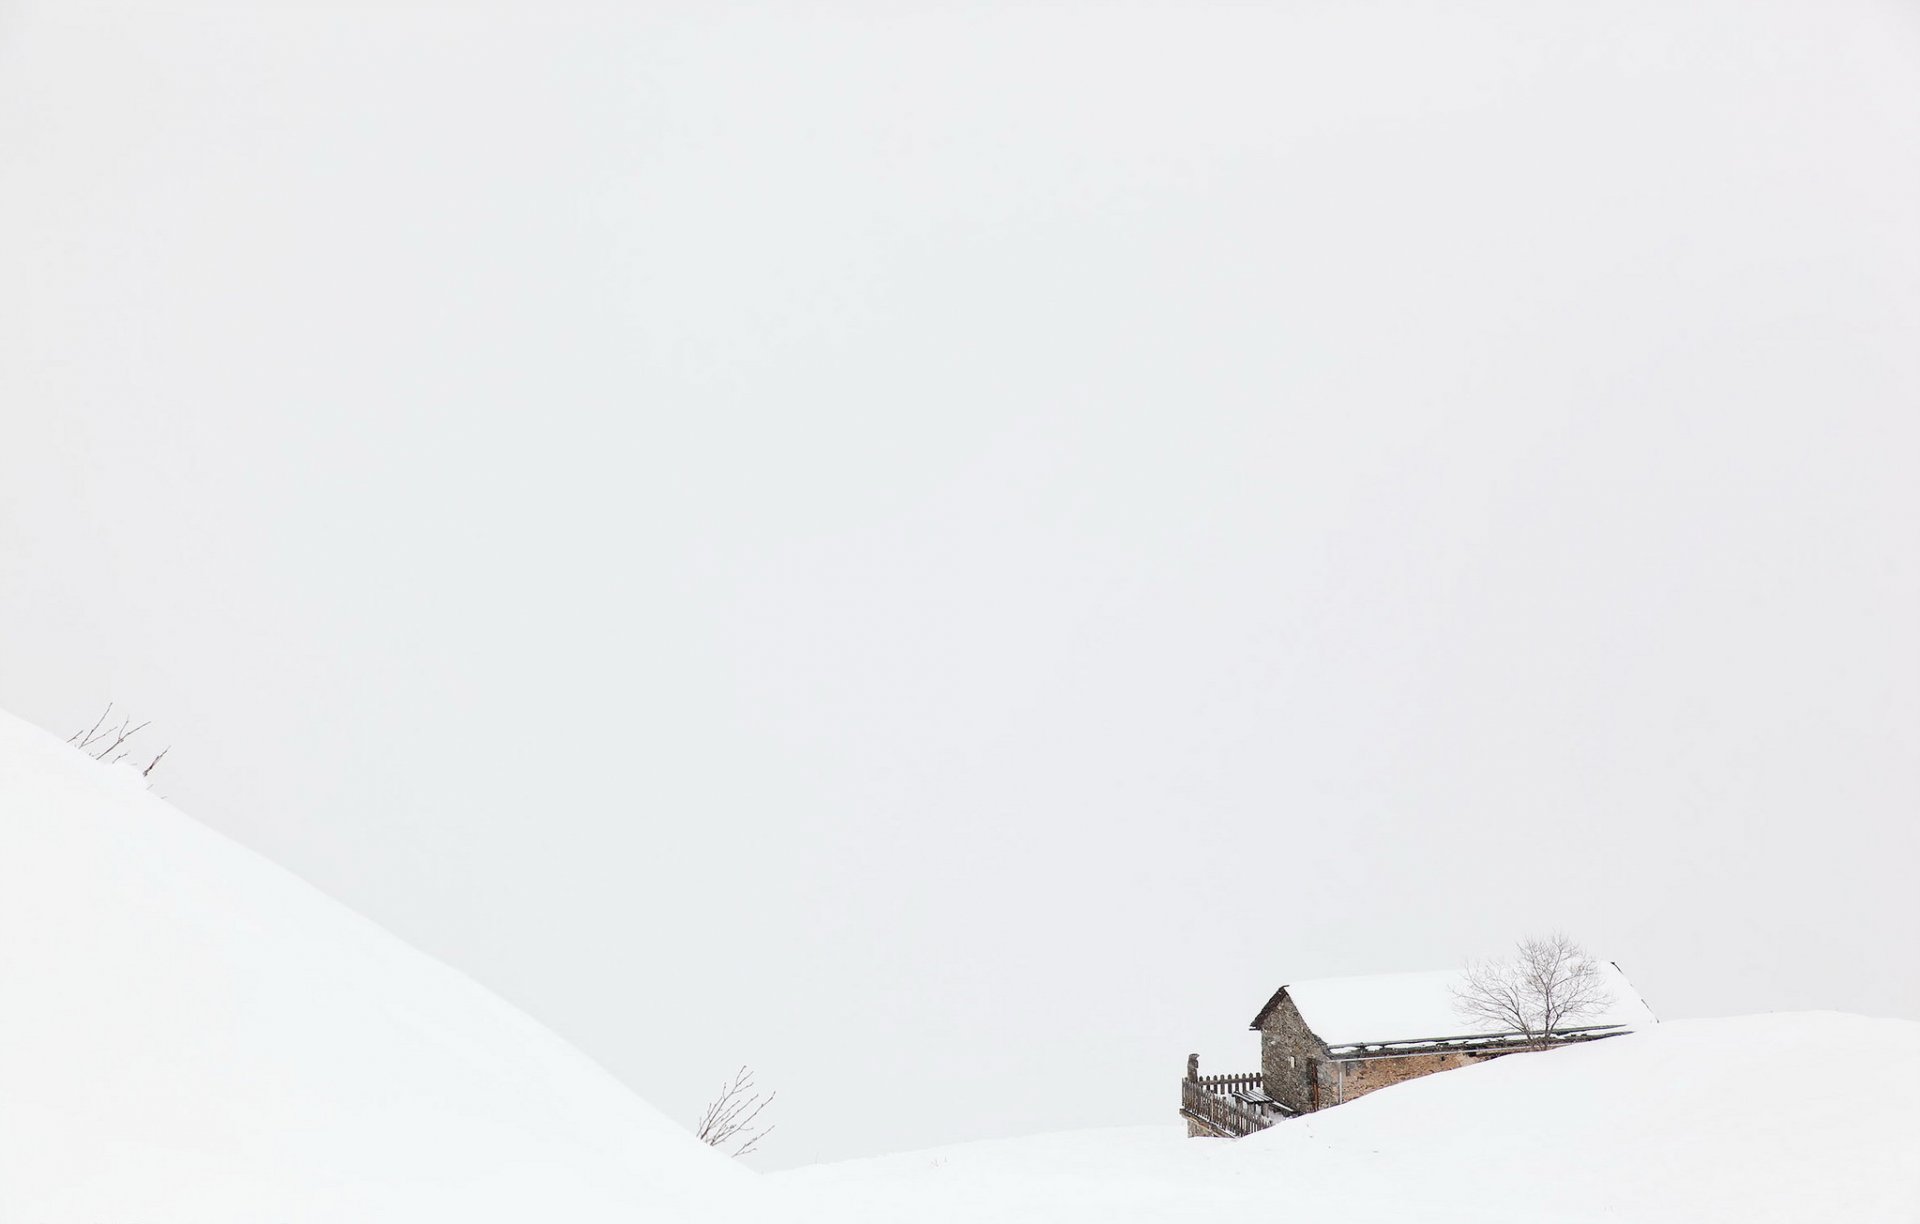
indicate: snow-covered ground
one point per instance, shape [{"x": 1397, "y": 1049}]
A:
[
  {"x": 189, "y": 1034},
  {"x": 1788, "y": 1118}
]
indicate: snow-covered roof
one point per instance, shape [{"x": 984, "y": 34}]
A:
[{"x": 1402, "y": 1007}]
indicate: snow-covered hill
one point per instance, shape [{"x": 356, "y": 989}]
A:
[
  {"x": 1788, "y": 1118},
  {"x": 188, "y": 1033}
]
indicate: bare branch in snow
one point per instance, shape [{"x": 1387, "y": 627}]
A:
[
  {"x": 104, "y": 741},
  {"x": 730, "y": 1117},
  {"x": 83, "y": 738}
]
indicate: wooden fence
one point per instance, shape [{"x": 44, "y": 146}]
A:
[{"x": 1210, "y": 1100}]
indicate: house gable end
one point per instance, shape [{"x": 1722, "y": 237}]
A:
[
  {"x": 1282, "y": 1014},
  {"x": 1267, "y": 1009},
  {"x": 1293, "y": 1059}
]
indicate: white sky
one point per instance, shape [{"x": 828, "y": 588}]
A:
[{"x": 947, "y": 553}]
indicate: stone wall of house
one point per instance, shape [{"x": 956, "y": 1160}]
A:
[
  {"x": 1294, "y": 1066},
  {"x": 1297, "y": 1069},
  {"x": 1357, "y": 1077}
]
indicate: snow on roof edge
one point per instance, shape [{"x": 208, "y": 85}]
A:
[{"x": 1385, "y": 1009}]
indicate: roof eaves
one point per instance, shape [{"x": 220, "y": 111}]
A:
[{"x": 1267, "y": 1010}]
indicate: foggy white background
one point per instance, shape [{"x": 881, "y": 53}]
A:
[{"x": 947, "y": 550}]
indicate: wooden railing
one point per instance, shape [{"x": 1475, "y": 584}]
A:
[
  {"x": 1227, "y": 1083},
  {"x": 1206, "y": 1100}
]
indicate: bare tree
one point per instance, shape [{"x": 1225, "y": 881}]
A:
[
  {"x": 105, "y": 742},
  {"x": 730, "y": 1117},
  {"x": 1550, "y": 983}
]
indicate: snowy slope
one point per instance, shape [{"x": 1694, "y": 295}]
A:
[
  {"x": 188, "y": 1033},
  {"x": 1788, "y": 1118}
]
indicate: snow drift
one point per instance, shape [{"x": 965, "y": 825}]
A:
[
  {"x": 191, "y": 1034},
  {"x": 1787, "y": 1118}
]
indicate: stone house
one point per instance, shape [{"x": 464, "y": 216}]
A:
[{"x": 1326, "y": 1042}]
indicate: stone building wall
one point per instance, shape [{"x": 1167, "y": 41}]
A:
[
  {"x": 1297, "y": 1069},
  {"x": 1294, "y": 1066},
  {"x": 1357, "y": 1077}
]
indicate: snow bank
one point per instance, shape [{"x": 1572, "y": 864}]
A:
[
  {"x": 1786, "y": 1119},
  {"x": 188, "y": 1033}
]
